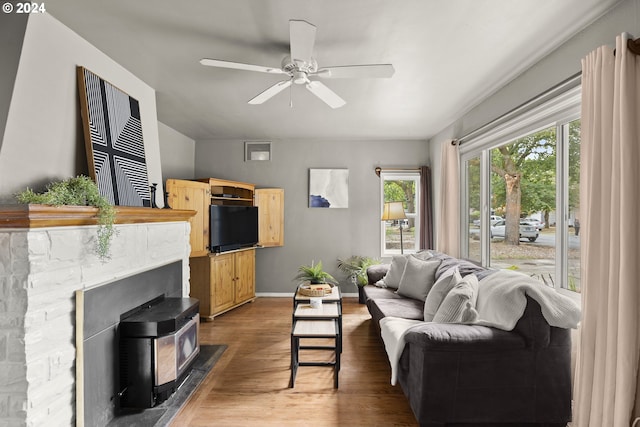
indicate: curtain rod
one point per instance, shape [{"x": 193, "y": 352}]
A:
[
  {"x": 561, "y": 87},
  {"x": 378, "y": 169},
  {"x": 634, "y": 46}
]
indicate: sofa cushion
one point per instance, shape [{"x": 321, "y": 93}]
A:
[
  {"x": 418, "y": 278},
  {"x": 393, "y": 276},
  {"x": 463, "y": 338},
  {"x": 376, "y": 273},
  {"x": 423, "y": 255},
  {"x": 464, "y": 267},
  {"x": 405, "y": 307},
  {"x": 459, "y": 306},
  {"x": 439, "y": 291},
  {"x": 375, "y": 292}
]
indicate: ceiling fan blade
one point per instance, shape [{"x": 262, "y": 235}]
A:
[
  {"x": 325, "y": 94},
  {"x": 270, "y": 92},
  {"x": 357, "y": 71},
  {"x": 302, "y": 36},
  {"x": 240, "y": 66}
]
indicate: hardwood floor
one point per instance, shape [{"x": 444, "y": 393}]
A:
[{"x": 249, "y": 386}]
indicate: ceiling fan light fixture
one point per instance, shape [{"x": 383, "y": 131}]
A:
[
  {"x": 300, "y": 77},
  {"x": 299, "y": 65}
]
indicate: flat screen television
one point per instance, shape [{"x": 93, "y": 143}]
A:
[{"x": 232, "y": 227}]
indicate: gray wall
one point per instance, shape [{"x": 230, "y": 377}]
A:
[
  {"x": 314, "y": 234},
  {"x": 43, "y": 138},
  {"x": 551, "y": 70},
  {"x": 177, "y": 152},
  {"x": 11, "y": 33}
]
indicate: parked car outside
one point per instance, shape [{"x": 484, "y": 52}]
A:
[
  {"x": 539, "y": 224},
  {"x": 493, "y": 219},
  {"x": 527, "y": 230}
]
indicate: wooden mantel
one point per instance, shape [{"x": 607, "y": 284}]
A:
[{"x": 38, "y": 216}]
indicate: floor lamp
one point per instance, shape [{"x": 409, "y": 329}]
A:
[{"x": 395, "y": 211}]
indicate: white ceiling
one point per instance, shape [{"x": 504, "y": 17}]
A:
[{"x": 448, "y": 56}]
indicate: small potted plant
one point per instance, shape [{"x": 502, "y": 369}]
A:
[
  {"x": 355, "y": 267},
  {"x": 314, "y": 274},
  {"x": 78, "y": 191}
]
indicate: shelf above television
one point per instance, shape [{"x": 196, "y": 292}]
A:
[
  {"x": 230, "y": 192},
  {"x": 239, "y": 199}
]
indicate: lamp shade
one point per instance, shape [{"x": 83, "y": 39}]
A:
[{"x": 393, "y": 210}]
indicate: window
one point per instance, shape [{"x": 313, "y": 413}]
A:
[
  {"x": 521, "y": 194},
  {"x": 473, "y": 210},
  {"x": 401, "y": 187}
]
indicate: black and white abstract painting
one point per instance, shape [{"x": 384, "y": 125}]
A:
[
  {"x": 113, "y": 137},
  {"x": 328, "y": 188}
]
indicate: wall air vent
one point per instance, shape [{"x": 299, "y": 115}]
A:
[{"x": 257, "y": 151}]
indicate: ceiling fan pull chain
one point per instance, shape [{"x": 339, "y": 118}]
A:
[{"x": 291, "y": 96}]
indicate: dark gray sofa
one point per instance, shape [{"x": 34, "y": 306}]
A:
[{"x": 470, "y": 375}]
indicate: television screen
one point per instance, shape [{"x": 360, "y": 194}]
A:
[{"x": 233, "y": 227}]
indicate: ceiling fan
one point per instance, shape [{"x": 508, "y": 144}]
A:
[{"x": 299, "y": 66}]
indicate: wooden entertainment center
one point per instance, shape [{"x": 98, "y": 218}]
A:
[{"x": 223, "y": 281}]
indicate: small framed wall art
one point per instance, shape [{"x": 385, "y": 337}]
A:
[{"x": 328, "y": 188}]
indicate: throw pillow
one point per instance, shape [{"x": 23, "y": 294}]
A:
[
  {"x": 423, "y": 255},
  {"x": 418, "y": 278},
  {"x": 393, "y": 276},
  {"x": 459, "y": 306},
  {"x": 439, "y": 291}
]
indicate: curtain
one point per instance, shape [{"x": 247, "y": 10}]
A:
[
  {"x": 448, "y": 238},
  {"x": 426, "y": 209},
  {"x": 606, "y": 384}
]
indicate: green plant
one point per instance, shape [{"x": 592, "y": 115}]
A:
[
  {"x": 315, "y": 274},
  {"x": 78, "y": 191},
  {"x": 572, "y": 284},
  {"x": 355, "y": 267}
]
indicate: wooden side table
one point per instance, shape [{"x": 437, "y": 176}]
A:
[
  {"x": 322, "y": 322},
  {"x": 327, "y": 311},
  {"x": 310, "y": 329},
  {"x": 334, "y": 297}
]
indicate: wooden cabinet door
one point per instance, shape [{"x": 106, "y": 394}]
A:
[
  {"x": 199, "y": 283},
  {"x": 195, "y": 196},
  {"x": 222, "y": 282},
  {"x": 245, "y": 275},
  {"x": 270, "y": 203}
]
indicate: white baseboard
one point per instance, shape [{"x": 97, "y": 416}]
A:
[
  {"x": 274, "y": 294},
  {"x": 290, "y": 295}
]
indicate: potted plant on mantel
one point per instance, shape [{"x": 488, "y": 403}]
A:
[
  {"x": 355, "y": 267},
  {"x": 78, "y": 191}
]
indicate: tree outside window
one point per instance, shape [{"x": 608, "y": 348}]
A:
[{"x": 528, "y": 177}]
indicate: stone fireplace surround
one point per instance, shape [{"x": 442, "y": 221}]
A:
[{"x": 46, "y": 255}]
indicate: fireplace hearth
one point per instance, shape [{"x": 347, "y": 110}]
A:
[{"x": 162, "y": 414}]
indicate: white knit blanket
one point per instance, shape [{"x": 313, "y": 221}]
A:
[
  {"x": 393, "y": 330},
  {"x": 502, "y": 299}
]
